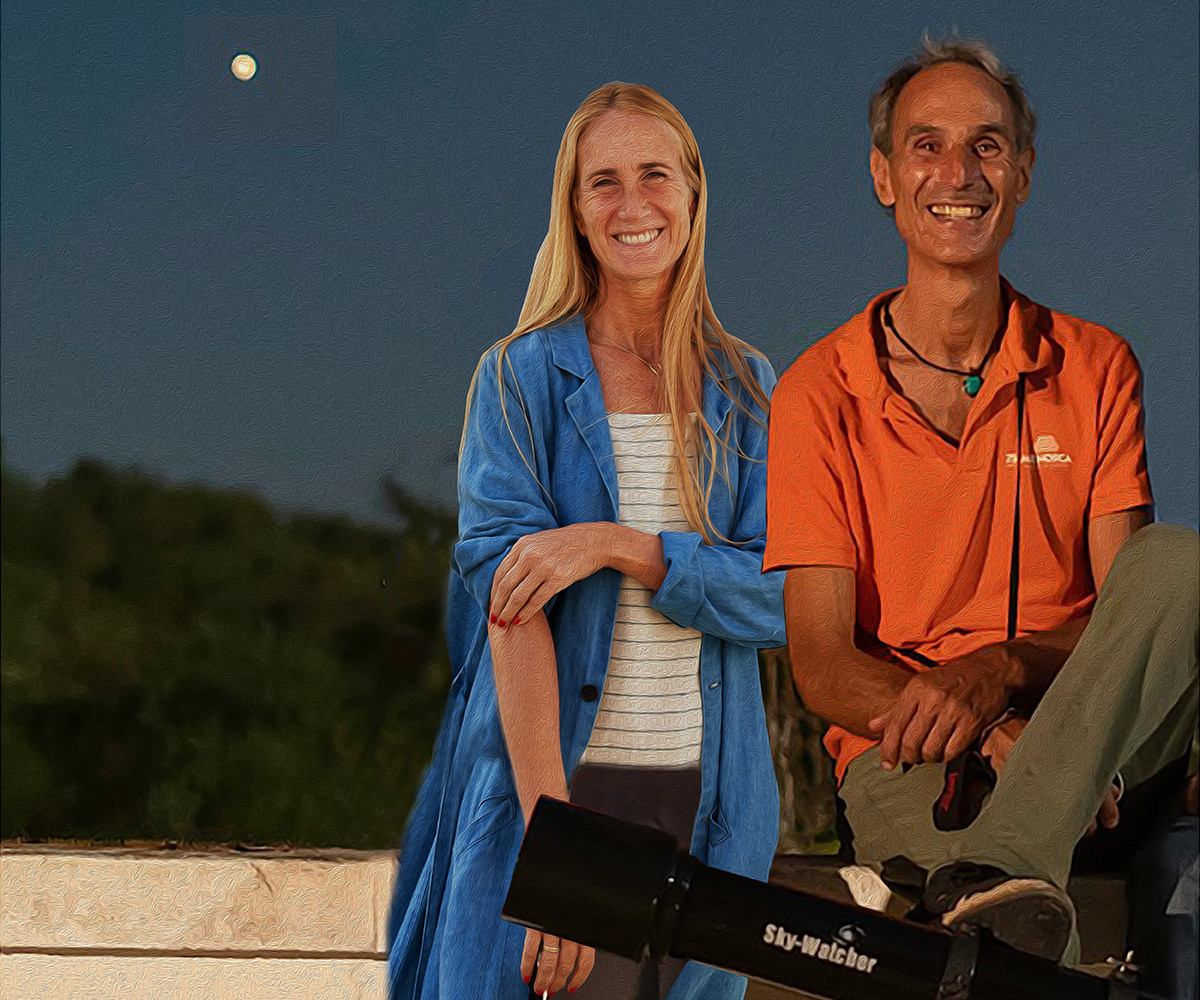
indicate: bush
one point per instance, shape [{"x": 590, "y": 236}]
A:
[{"x": 181, "y": 662}]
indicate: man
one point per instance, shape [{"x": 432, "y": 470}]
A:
[{"x": 954, "y": 476}]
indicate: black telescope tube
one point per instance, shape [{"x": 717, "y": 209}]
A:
[{"x": 627, "y": 889}]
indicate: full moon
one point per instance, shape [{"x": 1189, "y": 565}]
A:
[{"x": 243, "y": 66}]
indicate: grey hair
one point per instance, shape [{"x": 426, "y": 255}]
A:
[{"x": 970, "y": 52}]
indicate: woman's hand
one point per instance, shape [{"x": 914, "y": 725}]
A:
[
  {"x": 543, "y": 564},
  {"x": 559, "y": 960}
]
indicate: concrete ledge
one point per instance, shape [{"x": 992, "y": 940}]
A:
[
  {"x": 193, "y": 903},
  {"x": 104, "y": 923},
  {"x": 101, "y": 977}
]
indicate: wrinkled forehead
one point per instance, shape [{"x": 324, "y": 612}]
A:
[
  {"x": 952, "y": 97},
  {"x": 624, "y": 140}
]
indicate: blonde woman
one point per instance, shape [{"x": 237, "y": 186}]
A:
[{"x": 606, "y": 598}]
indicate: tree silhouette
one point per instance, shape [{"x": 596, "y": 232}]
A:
[{"x": 183, "y": 662}]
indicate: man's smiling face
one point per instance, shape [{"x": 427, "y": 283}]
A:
[{"x": 954, "y": 176}]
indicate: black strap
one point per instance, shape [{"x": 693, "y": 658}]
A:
[
  {"x": 912, "y": 654},
  {"x": 647, "y": 979},
  {"x": 662, "y": 929},
  {"x": 960, "y": 966},
  {"x": 1014, "y": 569},
  {"x": 1121, "y": 988},
  {"x": 669, "y": 903}
]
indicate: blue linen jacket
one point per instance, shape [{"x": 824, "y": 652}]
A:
[{"x": 446, "y": 936}]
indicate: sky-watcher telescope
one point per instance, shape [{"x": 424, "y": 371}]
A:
[{"x": 629, "y": 890}]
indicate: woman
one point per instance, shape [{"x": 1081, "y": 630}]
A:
[{"x": 606, "y": 596}]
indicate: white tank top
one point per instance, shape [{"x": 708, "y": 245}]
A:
[{"x": 650, "y": 711}]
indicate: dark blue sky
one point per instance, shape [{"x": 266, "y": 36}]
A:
[{"x": 286, "y": 284}]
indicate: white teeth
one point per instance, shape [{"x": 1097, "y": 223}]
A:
[
  {"x": 957, "y": 211},
  {"x": 645, "y": 237}
]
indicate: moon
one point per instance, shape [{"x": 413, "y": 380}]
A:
[{"x": 243, "y": 66}]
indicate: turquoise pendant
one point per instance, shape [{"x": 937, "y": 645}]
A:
[{"x": 972, "y": 384}]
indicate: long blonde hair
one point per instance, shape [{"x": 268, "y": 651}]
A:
[{"x": 566, "y": 282}]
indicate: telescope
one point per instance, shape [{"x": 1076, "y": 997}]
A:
[{"x": 628, "y": 889}]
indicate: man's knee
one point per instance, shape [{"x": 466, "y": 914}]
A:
[{"x": 1164, "y": 560}]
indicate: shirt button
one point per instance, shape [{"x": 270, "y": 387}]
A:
[
  {"x": 588, "y": 692},
  {"x": 714, "y": 685}
]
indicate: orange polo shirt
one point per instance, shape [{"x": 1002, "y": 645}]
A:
[{"x": 857, "y": 478}]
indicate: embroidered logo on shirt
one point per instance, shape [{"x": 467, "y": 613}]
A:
[{"x": 1046, "y": 452}]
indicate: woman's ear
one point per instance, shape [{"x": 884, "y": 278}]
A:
[{"x": 575, "y": 214}]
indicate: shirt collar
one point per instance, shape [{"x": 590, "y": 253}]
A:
[
  {"x": 569, "y": 347},
  {"x": 1025, "y": 347}
]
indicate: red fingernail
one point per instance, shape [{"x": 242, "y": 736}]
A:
[
  {"x": 500, "y": 623},
  {"x": 516, "y": 621},
  {"x": 492, "y": 619},
  {"x": 524, "y": 978}
]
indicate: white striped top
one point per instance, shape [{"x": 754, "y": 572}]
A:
[{"x": 650, "y": 711}]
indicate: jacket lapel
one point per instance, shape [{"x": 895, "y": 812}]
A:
[
  {"x": 569, "y": 350},
  {"x": 716, "y": 404}
]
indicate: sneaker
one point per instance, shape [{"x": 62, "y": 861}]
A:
[{"x": 1029, "y": 914}]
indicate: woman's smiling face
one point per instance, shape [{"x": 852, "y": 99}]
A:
[{"x": 633, "y": 202}]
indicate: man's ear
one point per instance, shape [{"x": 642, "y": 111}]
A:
[
  {"x": 1025, "y": 175},
  {"x": 881, "y": 174}
]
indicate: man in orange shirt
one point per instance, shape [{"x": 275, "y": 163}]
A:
[{"x": 956, "y": 477}]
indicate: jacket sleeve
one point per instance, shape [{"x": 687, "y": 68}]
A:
[
  {"x": 720, "y": 589},
  {"x": 503, "y": 473}
]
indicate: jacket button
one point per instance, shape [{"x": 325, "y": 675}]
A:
[{"x": 588, "y": 692}]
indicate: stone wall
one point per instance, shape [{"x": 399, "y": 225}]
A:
[{"x": 142, "y": 924}]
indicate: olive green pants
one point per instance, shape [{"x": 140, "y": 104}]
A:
[{"x": 1125, "y": 700}]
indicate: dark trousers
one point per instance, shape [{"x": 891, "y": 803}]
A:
[
  {"x": 664, "y": 798},
  {"x": 1125, "y": 700}
]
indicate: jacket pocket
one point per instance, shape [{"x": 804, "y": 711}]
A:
[
  {"x": 493, "y": 814},
  {"x": 719, "y": 831}
]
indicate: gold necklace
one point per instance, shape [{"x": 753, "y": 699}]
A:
[{"x": 654, "y": 368}]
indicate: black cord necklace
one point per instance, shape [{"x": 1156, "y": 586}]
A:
[{"x": 972, "y": 377}]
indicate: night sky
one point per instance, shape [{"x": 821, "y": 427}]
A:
[{"x": 286, "y": 283}]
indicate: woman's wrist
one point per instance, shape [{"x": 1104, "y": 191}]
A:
[
  {"x": 634, "y": 553},
  {"x": 612, "y": 542},
  {"x": 531, "y": 793}
]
